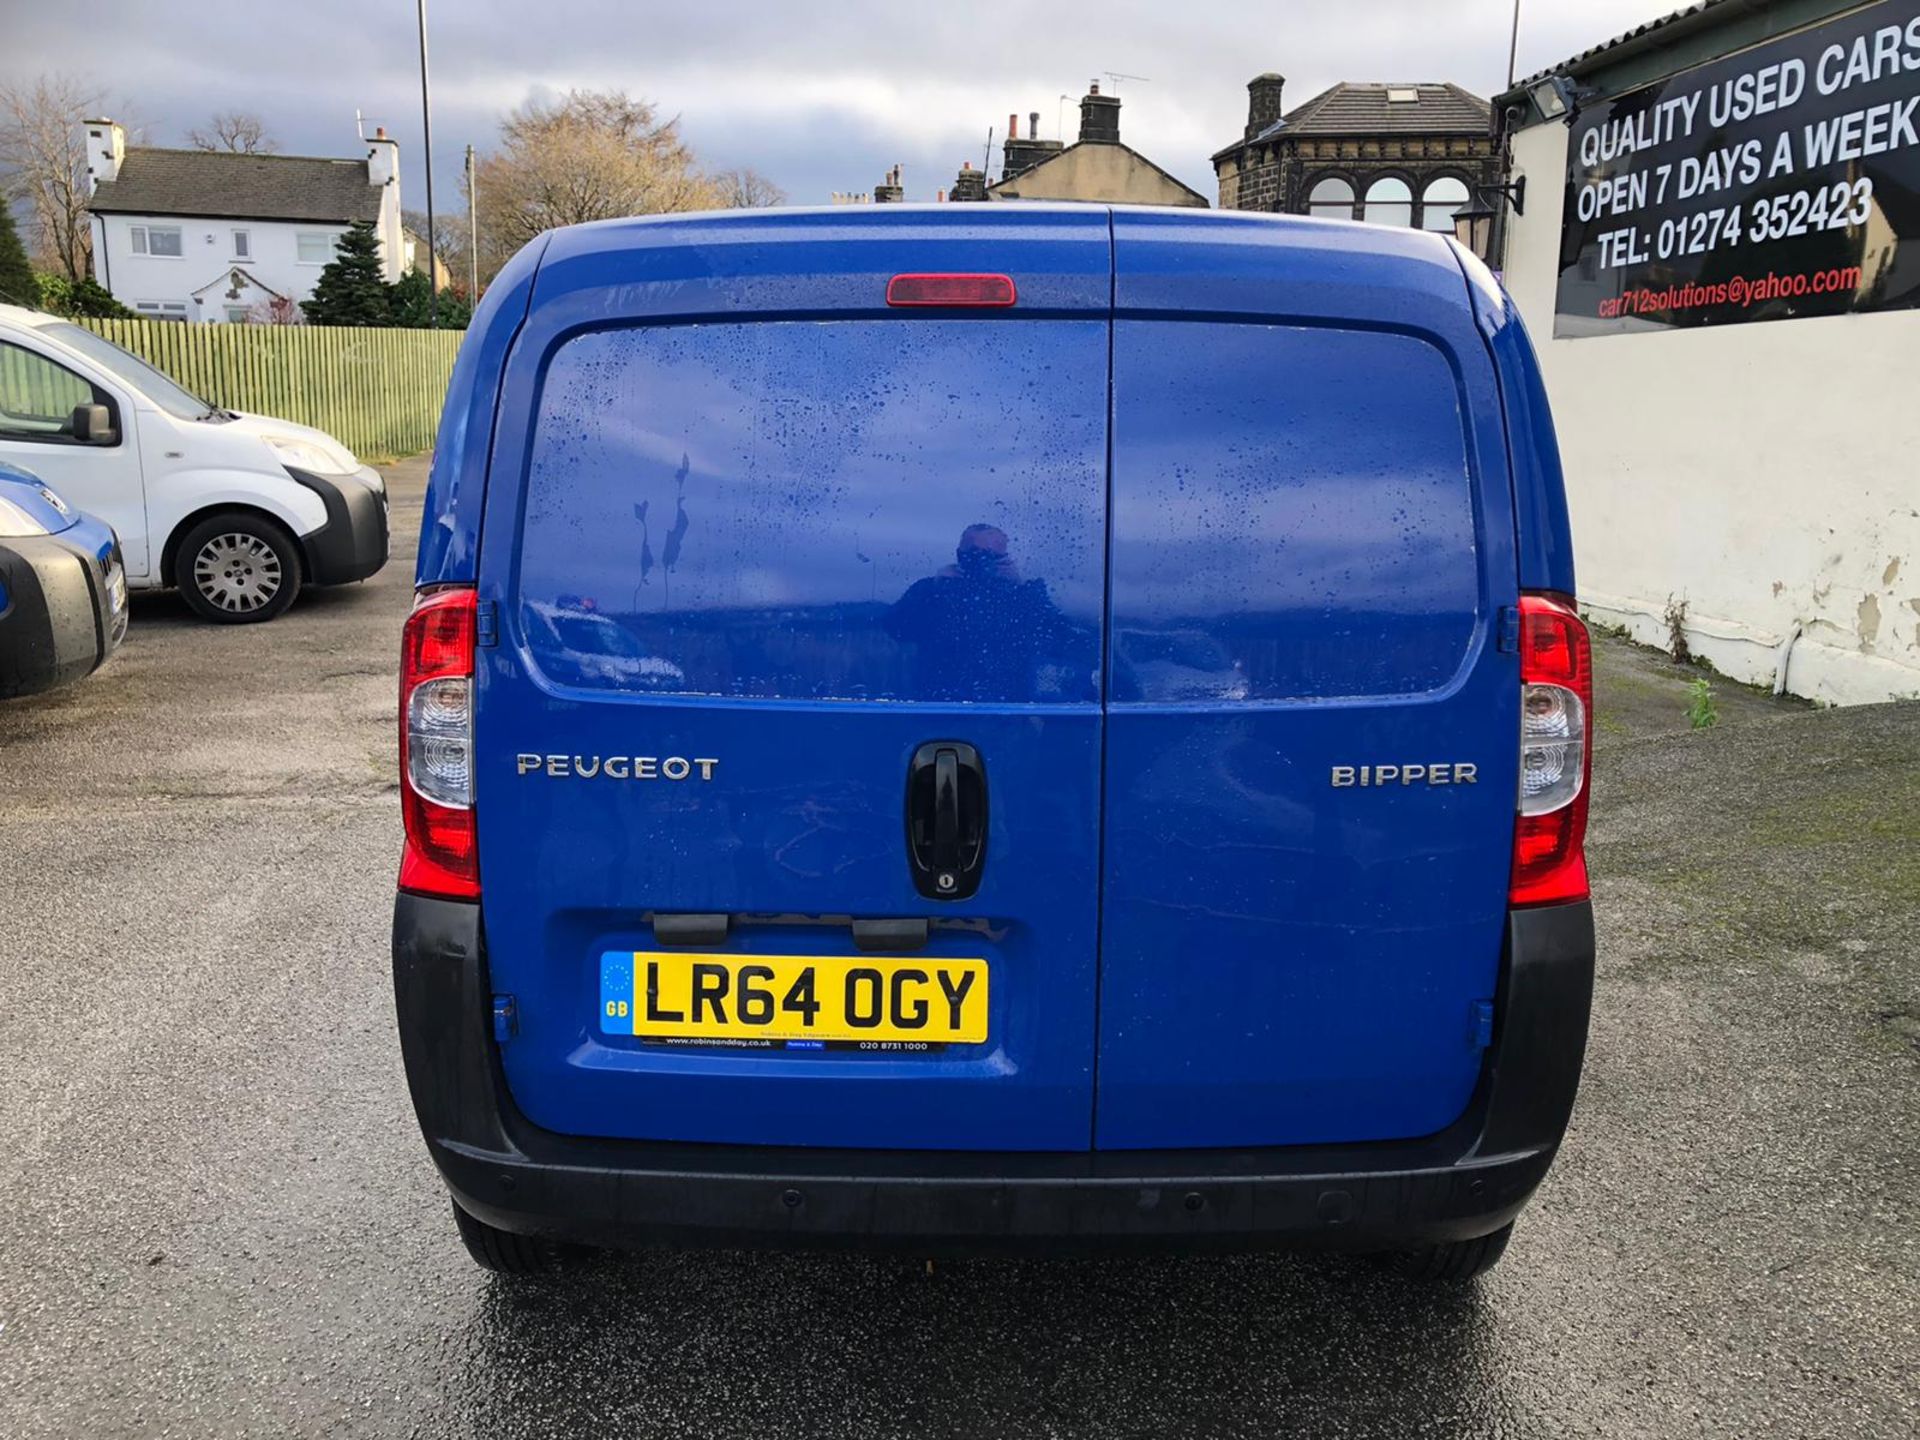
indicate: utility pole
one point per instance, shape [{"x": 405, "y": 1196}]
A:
[
  {"x": 426, "y": 136},
  {"x": 473, "y": 235}
]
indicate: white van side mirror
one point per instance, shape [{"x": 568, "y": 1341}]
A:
[{"x": 93, "y": 425}]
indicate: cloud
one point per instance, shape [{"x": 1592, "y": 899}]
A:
[{"x": 818, "y": 97}]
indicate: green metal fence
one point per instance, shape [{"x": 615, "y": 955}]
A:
[{"x": 376, "y": 391}]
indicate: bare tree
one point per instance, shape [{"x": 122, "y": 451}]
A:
[
  {"x": 278, "y": 310},
  {"x": 449, "y": 243},
  {"x": 239, "y": 131},
  {"x": 745, "y": 189},
  {"x": 45, "y": 160},
  {"x": 594, "y": 155}
]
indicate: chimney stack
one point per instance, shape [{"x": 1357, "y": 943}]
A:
[
  {"x": 1263, "y": 102},
  {"x": 106, "y": 148},
  {"x": 1099, "y": 117},
  {"x": 383, "y": 158},
  {"x": 1019, "y": 156},
  {"x": 890, "y": 191},
  {"x": 969, "y": 184}
]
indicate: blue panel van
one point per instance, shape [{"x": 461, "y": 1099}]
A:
[{"x": 994, "y": 728}]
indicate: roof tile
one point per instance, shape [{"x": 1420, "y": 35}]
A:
[
  {"x": 153, "y": 181},
  {"x": 1364, "y": 109}
]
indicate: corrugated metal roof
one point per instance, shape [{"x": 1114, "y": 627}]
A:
[{"x": 153, "y": 181}]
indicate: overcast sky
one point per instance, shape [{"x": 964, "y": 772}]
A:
[{"x": 817, "y": 97}]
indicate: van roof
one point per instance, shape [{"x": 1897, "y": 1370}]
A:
[
  {"x": 769, "y": 251},
  {"x": 1334, "y": 236}
]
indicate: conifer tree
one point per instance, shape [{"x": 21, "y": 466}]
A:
[
  {"x": 351, "y": 290},
  {"x": 17, "y": 283}
]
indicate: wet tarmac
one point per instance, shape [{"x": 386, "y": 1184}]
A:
[{"x": 219, "y": 1218}]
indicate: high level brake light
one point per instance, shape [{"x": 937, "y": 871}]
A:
[
  {"x": 1556, "y": 740},
  {"x": 441, "y": 857},
  {"x": 962, "y": 291}
]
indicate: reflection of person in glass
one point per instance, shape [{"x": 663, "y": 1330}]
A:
[{"x": 978, "y": 630}]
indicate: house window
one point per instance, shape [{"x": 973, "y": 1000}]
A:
[
  {"x": 237, "y": 314},
  {"x": 1402, "y": 95},
  {"x": 1389, "y": 202},
  {"x": 161, "y": 309},
  {"x": 1438, "y": 202},
  {"x": 316, "y": 247},
  {"x": 1331, "y": 197},
  {"x": 162, "y": 240},
  {"x": 242, "y": 245}
]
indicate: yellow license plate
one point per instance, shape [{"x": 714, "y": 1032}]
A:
[{"x": 799, "y": 1000}]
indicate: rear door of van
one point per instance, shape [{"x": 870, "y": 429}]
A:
[
  {"x": 1312, "y": 721},
  {"x": 791, "y": 614}
]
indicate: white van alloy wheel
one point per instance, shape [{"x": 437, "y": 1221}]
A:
[{"x": 237, "y": 572}]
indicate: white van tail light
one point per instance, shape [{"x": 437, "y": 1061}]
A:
[
  {"x": 436, "y": 747},
  {"x": 1556, "y": 738}
]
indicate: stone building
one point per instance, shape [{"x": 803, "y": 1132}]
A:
[
  {"x": 1096, "y": 167},
  {"x": 1390, "y": 154}
]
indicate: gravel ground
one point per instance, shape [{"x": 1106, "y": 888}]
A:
[{"x": 219, "y": 1218}]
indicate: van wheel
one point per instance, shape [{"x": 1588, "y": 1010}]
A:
[
  {"x": 1450, "y": 1260},
  {"x": 237, "y": 568},
  {"x": 506, "y": 1253}
]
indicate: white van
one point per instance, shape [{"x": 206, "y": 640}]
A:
[{"x": 237, "y": 511}]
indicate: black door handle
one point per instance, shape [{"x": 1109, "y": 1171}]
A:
[
  {"x": 946, "y": 809},
  {"x": 946, "y": 819}
]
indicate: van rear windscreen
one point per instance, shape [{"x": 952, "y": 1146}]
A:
[
  {"x": 1293, "y": 515},
  {"x": 848, "y": 510}
]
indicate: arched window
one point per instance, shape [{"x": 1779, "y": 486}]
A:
[
  {"x": 1389, "y": 202},
  {"x": 1438, "y": 202},
  {"x": 1332, "y": 198}
]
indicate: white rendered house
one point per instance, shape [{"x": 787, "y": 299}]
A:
[{"x": 218, "y": 238}]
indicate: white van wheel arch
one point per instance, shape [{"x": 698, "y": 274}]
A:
[{"x": 170, "y": 553}]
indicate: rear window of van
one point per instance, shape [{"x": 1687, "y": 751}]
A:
[
  {"x": 1293, "y": 514},
  {"x": 846, "y": 510}
]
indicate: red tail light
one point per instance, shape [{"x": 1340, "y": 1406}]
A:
[
  {"x": 951, "y": 290},
  {"x": 441, "y": 857},
  {"x": 1556, "y": 743}
]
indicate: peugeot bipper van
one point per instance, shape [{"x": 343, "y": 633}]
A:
[
  {"x": 995, "y": 727},
  {"x": 237, "y": 512}
]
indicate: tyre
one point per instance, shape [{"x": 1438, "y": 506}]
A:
[
  {"x": 237, "y": 568},
  {"x": 506, "y": 1253},
  {"x": 1450, "y": 1260}
]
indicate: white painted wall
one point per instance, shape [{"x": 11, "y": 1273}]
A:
[
  {"x": 383, "y": 169},
  {"x": 208, "y": 250},
  {"x": 1767, "y": 475},
  {"x": 207, "y": 256}
]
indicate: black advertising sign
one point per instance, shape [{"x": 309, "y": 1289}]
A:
[{"x": 1774, "y": 184}]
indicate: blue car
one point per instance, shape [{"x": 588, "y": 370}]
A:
[
  {"x": 63, "y": 589},
  {"x": 994, "y": 728}
]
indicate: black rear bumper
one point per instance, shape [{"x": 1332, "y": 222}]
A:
[
  {"x": 56, "y": 621},
  {"x": 1470, "y": 1179}
]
